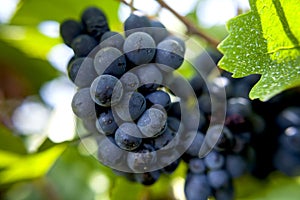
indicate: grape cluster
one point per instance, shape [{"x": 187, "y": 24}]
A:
[
  {"x": 128, "y": 98},
  {"x": 122, "y": 97},
  {"x": 281, "y": 135},
  {"x": 257, "y": 138},
  {"x": 232, "y": 155}
]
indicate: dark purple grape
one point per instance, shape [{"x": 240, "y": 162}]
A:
[
  {"x": 94, "y": 22},
  {"x": 159, "y": 97},
  {"x": 197, "y": 187},
  {"x": 128, "y": 137},
  {"x": 169, "y": 53},
  {"x": 197, "y": 166},
  {"x": 70, "y": 29},
  {"x": 214, "y": 160},
  {"x": 135, "y": 23},
  {"x": 139, "y": 48},
  {"x": 106, "y": 90},
  {"x": 143, "y": 159},
  {"x": 218, "y": 178},
  {"x": 112, "y": 39},
  {"x": 83, "y": 44},
  {"x": 106, "y": 123}
]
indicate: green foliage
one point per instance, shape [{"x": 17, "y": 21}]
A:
[
  {"x": 10, "y": 142},
  {"x": 256, "y": 44},
  {"x": 22, "y": 37},
  {"x": 72, "y": 174},
  {"x": 16, "y": 167},
  {"x": 35, "y": 11},
  {"x": 35, "y": 71},
  {"x": 265, "y": 41},
  {"x": 277, "y": 186}
]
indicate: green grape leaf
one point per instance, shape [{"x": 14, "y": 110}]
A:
[
  {"x": 19, "y": 167},
  {"x": 265, "y": 41}
]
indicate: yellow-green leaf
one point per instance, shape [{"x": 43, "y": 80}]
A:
[
  {"x": 265, "y": 41},
  {"x": 23, "y": 167}
]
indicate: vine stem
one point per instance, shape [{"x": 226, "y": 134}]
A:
[
  {"x": 128, "y": 4},
  {"x": 131, "y": 5},
  {"x": 192, "y": 29}
]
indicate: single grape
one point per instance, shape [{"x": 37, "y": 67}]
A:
[
  {"x": 139, "y": 48},
  {"x": 81, "y": 72},
  {"x": 177, "y": 39},
  {"x": 110, "y": 60},
  {"x": 289, "y": 117},
  {"x": 131, "y": 106},
  {"x": 159, "y": 97},
  {"x": 135, "y": 23},
  {"x": 290, "y": 140},
  {"x": 152, "y": 122},
  {"x": 218, "y": 178},
  {"x": 142, "y": 159},
  {"x": 90, "y": 12},
  {"x": 130, "y": 81},
  {"x": 83, "y": 44},
  {"x": 94, "y": 22},
  {"x": 106, "y": 123},
  {"x": 128, "y": 137},
  {"x": 239, "y": 105},
  {"x": 150, "y": 77},
  {"x": 214, "y": 160},
  {"x": 197, "y": 187},
  {"x": 197, "y": 166},
  {"x": 236, "y": 165},
  {"x": 158, "y": 31},
  {"x": 112, "y": 39},
  {"x": 108, "y": 153},
  {"x": 82, "y": 104},
  {"x": 170, "y": 53},
  {"x": 70, "y": 29},
  {"x": 106, "y": 90}
]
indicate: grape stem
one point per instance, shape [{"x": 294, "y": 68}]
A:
[
  {"x": 128, "y": 4},
  {"x": 192, "y": 29},
  {"x": 131, "y": 5}
]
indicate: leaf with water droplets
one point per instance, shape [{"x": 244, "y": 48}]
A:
[{"x": 265, "y": 41}]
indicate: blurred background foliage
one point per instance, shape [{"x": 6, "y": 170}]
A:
[{"x": 41, "y": 156}]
